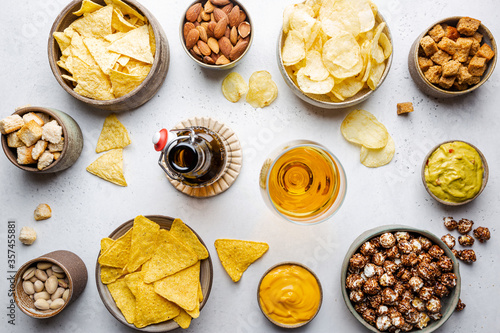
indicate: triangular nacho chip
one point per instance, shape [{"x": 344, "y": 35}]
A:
[
  {"x": 95, "y": 24},
  {"x": 183, "y": 319},
  {"x": 184, "y": 234},
  {"x": 78, "y": 49},
  {"x": 144, "y": 237},
  {"x": 109, "y": 167},
  {"x": 134, "y": 44},
  {"x": 113, "y": 135},
  {"x": 118, "y": 253},
  {"x": 123, "y": 83},
  {"x": 137, "y": 67},
  {"x": 110, "y": 274},
  {"x": 124, "y": 299},
  {"x": 152, "y": 41},
  {"x": 119, "y": 23},
  {"x": 63, "y": 40},
  {"x": 91, "y": 79},
  {"x": 113, "y": 37},
  {"x": 236, "y": 255},
  {"x": 87, "y": 7},
  {"x": 170, "y": 257},
  {"x": 98, "y": 48},
  {"x": 106, "y": 244},
  {"x": 200, "y": 293},
  {"x": 194, "y": 313},
  {"x": 125, "y": 9}
]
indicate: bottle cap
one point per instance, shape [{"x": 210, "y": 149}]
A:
[{"x": 160, "y": 139}]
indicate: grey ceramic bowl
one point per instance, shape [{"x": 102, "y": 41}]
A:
[
  {"x": 430, "y": 89},
  {"x": 324, "y": 101},
  {"x": 75, "y": 271},
  {"x": 486, "y": 174},
  {"x": 217, "y": 67},
  {"x": 448, "y": 303},
  {"x": 73, "y": 141}
]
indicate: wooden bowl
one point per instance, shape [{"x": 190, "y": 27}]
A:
[
  {"x": 323, "y": 101},
  {"x": 73, "y": 141},
  {"x": 206, "y": 278},
  {"x": 75, "y": 271},
  {"x": 448, "y": 303},
  {"x": 276, "y": 322},
  {"x": 430, "y": 89},
  {"x": 217, "y": 67},
  {"x": 486, "y": 174},
  {"x": 137, "y": 97}
]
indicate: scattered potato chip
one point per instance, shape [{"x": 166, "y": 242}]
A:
[
  {"x": 361, "y": 127},
  {"x": 233, "y": 87},
  {"x": 143, "y": 243},
  {"x": 113, "y": 135},
  {"x": 118, "y": 253},
  {"x": 183, "y": 233},
  {"x": 124, "y": 299},
  {"x": 237, "y": 255},
  {"x": 262, "y": 90},
  {"x": 183, "y": 319},
  {"x": 109, "y": 167},
  {"x": 374, "y": 158}
]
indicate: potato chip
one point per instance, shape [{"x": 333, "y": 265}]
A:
[
  {"x": 124, "y": 299},
  {"x": 346, "y": 16},
  {"x": 96, "y": 24},
  {"x": 349, "y": 87},
  {"x": 286, "y": 17},
  {"x": 134, "y": 44},
  {"x": 376, "y": 73},
  {"x": 125, "y": 9},
  {"x": 314, "y": 87},
  {"x": 236, "y": 255},
  {"x": 143, "y": 243},
  {"x": 302, "y": 21},
  {"x": 293, "y": 49},
  {"x": 386, "y": 45},
  {"x": 170, "y": 257},
  {"x": 361, "y": 127},
  {"x": 150, "y": 308},
  {"x": 113, "y": 135},
  {"x": 181, "y": 287},
  {"x": 184, "y": 234},
  {"x": 118, "y": 253},
  {"x": 87, "y": 7},
  {"x": 315, "y": 29},
  {"x": 233, "y": 87},
  {"x": 110, "y": 274},
  {"x": 262, "y": 90},
  {"x": 365, "y": 14},
  {"x": 342, "y": 49},
  {"x": 123, "y": 83},
  {"x": 374, "y": 158},
  {"x": 183, "y": 319},
  {"x": 109, "y": 167},
  {"x": 376, "y": 49},
  {"x": 119, "y": 23},
  {"x": 340, "y": 72},
  {"x": 98, "y": 48},
  {"x": 314, "y": 68},
  {"x": 91, "y": 79}
]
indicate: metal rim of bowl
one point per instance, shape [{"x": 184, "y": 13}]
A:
[
  {"x": 485, "y": 77},
  {"x": 351, "y": 101},
  {"x": 231, "y": 64},
  {"x": 306, "y": 268},
  {"x": 369, "y": 234},
  {"x": 486, "y": 173},
  {"x": 53, "y": 48}
]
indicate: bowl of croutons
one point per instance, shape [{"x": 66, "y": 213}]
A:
[
  {"x": 454, "y": 56},
  {"x": 41, "y": 140}
]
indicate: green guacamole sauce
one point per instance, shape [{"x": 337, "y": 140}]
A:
[{"x": 454, "y": 172}]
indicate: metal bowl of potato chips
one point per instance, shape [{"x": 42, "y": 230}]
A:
[
  {"x": 169, "y": 283},
  {"x": 338, "y": 64},
  {"x": 110, "y": 54}
]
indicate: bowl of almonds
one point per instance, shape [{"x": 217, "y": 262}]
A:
[
  {"x": 46, "y": 285},
  {"x": 216, "y": 34}
]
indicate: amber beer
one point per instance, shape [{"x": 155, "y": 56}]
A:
[{"x": 304, "y": 182}]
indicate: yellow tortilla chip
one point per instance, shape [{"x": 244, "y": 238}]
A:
[
  {"x": 236, "y": 255},
  {"x": 181, "y": 287},
  {"x": 63, "y": 40},
  {"x": 183, "y": 319},
  {"x": 124, "y": 299},
  {"x": 95, "y": 24},
  {"x": 109, "y": 167},
  {"x": 144, "y": 236},
  {"x": 87, "y": 7},
  {"x": 152, "y": 41},
  {"x": 137, "y": 67},
  {"x": 170, "y": 257},
  {"x": 194, "y": 313},
  {"x": 125, "y": 9},
  {"x": 123, "y": 83},
  {"x": 98, "y": 48},
  {"x": 123, "y": 60},
  {"x": 150, "y": 308},
  {"x": 113, "y": 135},
  {"x": 78, "y": 49},
  {"x": 91, "y": 79},
  {"x": 110, "y": 274},
  {"x": 67, "y": 77},
  {"x": 113, "y": 37},
  {"x": 119, "y": 23},
  {"x": 200, "y": 293},
  {"x": 184, "y": 234},
  {"x": 106, "y": 244},
  {"x": 118, "y": 253},
  {"x": 134, "y": 44}
]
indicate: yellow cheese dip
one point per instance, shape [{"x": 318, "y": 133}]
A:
[
  {"x": 454, "y": 172},
  {"x": 289, "y": 294}
]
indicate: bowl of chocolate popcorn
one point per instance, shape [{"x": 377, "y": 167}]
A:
[{"x": 398, "y": 278}]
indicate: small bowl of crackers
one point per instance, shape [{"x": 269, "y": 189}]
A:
[
  {"x": 110, "y": 54},
  {"x": 154, "y": 274},
  {"x": 452, "y": 57},
  {"x": 334, "y": 55}
]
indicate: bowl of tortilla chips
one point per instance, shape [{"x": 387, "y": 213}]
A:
[
  {"x": 154, "y": 273},
  {"x": 110, "y": 54}
]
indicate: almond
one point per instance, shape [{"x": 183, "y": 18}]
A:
[
  {"x": 238, "y": 50},
  {"x": 211, "y": 28},
  {"x": 199, "y": 18},
  {"x": 220, "y": 2},
  {"x": 196, "y": 23},
  {"x": 196, "y": 50},
  {"x": 227, "y": 33},
  {"x": 213, "y": 44},
  {"x": 234, "y": 16},
  {"x": 214, "y": 57},
  {"x": 233, "y": 36},
  {"x": 209, "y": 8},
  {"x": 197, "y": 57},
  {"x": 225, "y": 46},
  {"x": 219, "y": 14},
  {"x": 208, "y": 60},
  {"x": 205, "y": 16},
  {"x": 244, "y": 29},
  {"x": 204, "y": 25},
  {"x": 188, "y": 26},
  {"x": 204, "y": 49},
  {"x": 227, "y": 8},
  {"x": 243, "y": 16},
  {"x": 222, "y": 60},
  {"x": 220, "y": 28},
  {"x": 192, "y": 38},
  {"x": 193, "y": 12},
  {"x": 203, "y": 33}
]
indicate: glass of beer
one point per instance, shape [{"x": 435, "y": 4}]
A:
[{"x": 303, "y": 182}]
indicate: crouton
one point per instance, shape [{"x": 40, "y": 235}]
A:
[
  {"x": 52, "y": 132},
  {"x": 39, "y": 148},
  {"x": 428, "y": 45},
  {"x": 30, "y": 133},
  {"x": 437, "y": 33},
  {"x": 13, "y": 140},
  {"x": 45, "y": 117},
  {"x": 42, "y": 212},
  {"x": 460, "y": 87},
  {"x": 446, "y": 82},
  {"x": 27, "y": 235},
  {"x": 468, "y": 26},
  {"x": 463, "y": 75},
  {"x": 53, "y": 147},
  {"x": 24, "y": 155},
  {"x": 452, "y": 33},
  {"x": 463, "y": 49},
  {"x": 32, "y": 116},
  {"x": 451, "y": 68},
  {"x": 448, "y": 46},
  {"x": 477, "y": 66},
  {"x": 485, "y": 51},
  {"x": 424, "y": 63},
  {"x": 433, "y": 74},
  {"x": 45, "y": 160},
  {"x": 441, "y": 57},
  {"x": 477, "y": 36},
  {"x": 474, "y": 80},
  {"x": 405, "y": 108},
  {"x": 11, "y": 124}
]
